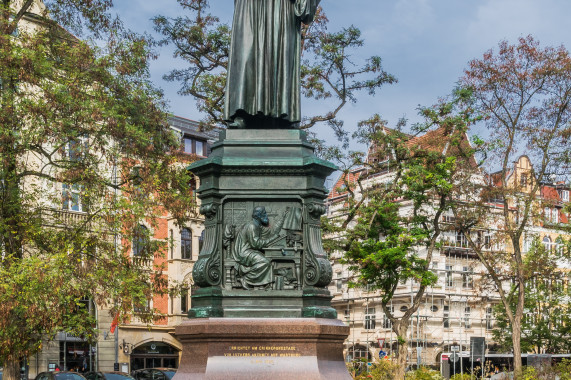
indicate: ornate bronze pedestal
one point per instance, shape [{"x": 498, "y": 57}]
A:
[{"x": 262, "y": 310}]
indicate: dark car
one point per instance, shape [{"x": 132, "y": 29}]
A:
[
  {"x": 107, "y": 376},
  {"x": 154, "y": 374},
  {"x": 59, "y": 376}
]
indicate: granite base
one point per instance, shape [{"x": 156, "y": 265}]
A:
[{"x": 262, "y": 348}]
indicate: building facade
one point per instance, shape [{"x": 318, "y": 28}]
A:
[
  {"x": 135, "y": 345},
  {"x": 459, "y": 306}
]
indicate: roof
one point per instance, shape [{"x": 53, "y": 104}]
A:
[
  {"x": 351, "y": 178},
  {"x": 193, "y": 128}
]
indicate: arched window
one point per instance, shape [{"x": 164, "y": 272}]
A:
[
  {"x": 140, "y": 240},
  {"x": 186, "y": 244},
  {"x": 547, "y": 243},
  {"x": 559, "y": 244}
]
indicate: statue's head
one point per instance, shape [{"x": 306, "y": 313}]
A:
[{"x": 260, "y": 215}]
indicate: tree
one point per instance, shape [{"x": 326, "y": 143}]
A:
[
  {"x": 547, "y": 310},
  {"x": 328, "y": 71},
  {"x": 391, "y": 225},
  {"x": 86, "y": 157},
  {"x": 523, "y": 92}
]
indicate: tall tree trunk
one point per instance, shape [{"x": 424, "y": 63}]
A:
[
  {"x": 11, "y": 370},
  {"x": 516, "y": 341},
  {"x": 516, "y": 328},
  {"x": 402, "y": 354}
]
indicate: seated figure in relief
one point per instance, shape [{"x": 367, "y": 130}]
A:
[{"x": 253, "y": 268}]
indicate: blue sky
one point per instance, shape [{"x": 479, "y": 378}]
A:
[{"x": 426, "y": 44}]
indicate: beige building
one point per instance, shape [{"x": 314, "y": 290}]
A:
[
  {"x": 459, "y": 306},
  {"x": 136, "y": 345}
]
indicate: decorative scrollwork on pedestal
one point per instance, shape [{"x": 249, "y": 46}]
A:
[
  {"x": 318, "y": 271},
  {"x": 209, "y": 210},
  {"x": 207, "y": 270},
  {"x": 315, "y": 210}
]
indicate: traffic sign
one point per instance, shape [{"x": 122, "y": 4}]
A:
[
  {"x": 382, "y": 354},
  {"x": 455, "y": 348},
  {"x": 454, "y": 357}
]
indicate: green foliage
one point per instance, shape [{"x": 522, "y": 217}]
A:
[
  {"x": 563, "y": 369},
  {"x": 461, "y": 376},
  {"x": 382, "y": 370},
  {"x": 85, "y": 157},
  {"x": 424, "y": 373},
  {"x": 546, "y": 326},
  {"x": 389, "y": 229},
  {"x": 328, "y": 71}
]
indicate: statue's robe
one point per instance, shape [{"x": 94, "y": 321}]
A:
[
  {"x": 252, "y": 266},
  {"x": 264, "y": 64}
]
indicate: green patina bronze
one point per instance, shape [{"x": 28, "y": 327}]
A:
[
  {"x": 262, "y": 187},
  {"x": 263, "y": 83}
]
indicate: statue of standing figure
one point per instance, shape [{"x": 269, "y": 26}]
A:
[{"x": 263, "y": 83}]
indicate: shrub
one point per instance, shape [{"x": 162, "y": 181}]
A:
[
  {"x": 460, "y": 376},
  {"x": 424, "y": 373},
  {"x": 383, "y": 370},
  {"x": 563, "y": 369}
]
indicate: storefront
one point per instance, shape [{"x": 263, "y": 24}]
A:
[
  {"x": 75, "y": 354},
  {"x": 154, "y": 355}
]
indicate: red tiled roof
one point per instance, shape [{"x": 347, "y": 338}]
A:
[
  {"x": 349, "y": 178},
  {"x": 550, "y": 193}
]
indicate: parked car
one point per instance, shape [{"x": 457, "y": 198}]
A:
[
  {"x": 63, "y": 375},
  {"x": 154, "y": 374},
  {"x": 107, "y": 376}
]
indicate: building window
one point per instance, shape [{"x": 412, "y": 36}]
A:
[
  {"x": 487, "y": 241},
  {"x": 446, "y": 317},
  {"x": 77, "y": 148},
  {"x": 347, "y": 314},
  {"x": 186, "y": 244},
  {"x": 565, "y": 195},
  {"x": 523, "y": 180},
  {"x": 140, "y": 240},
  {"x": 449, "y": 278},
  {"x": 73, "y": 198},
  {"x": 142, "y": 307},
  {"x": 467, "y": 322},
  {"x": 386, "y": 321},
  {"x": 547, "y": 243},
  {"x": 489, "y": 321},
  {"x": 194, "y": 146},
  {"x": 171, "y": 243},
  {"x": 551, "y": 214},
  {"x": 184, "y": 300},
  {"x": 461, "y": 240},
  {"x": 527, "y": 242},
  {"x": 358, "y": 353},
  {"x": 192, "y": 186},
  {"x": 339, "y": 284},
  {"x": 467, "y": 277},
  {"x": 370, "y": 317}
]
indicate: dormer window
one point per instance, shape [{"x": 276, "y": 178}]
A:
[{"x": 194, "y": 146}]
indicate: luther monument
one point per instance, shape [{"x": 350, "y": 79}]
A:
[{"x": 260, "y": 306}]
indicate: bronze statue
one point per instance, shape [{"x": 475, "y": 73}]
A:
[
  {"x": 263, "y": 84},
  {"x": 253, "y": 268}
]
